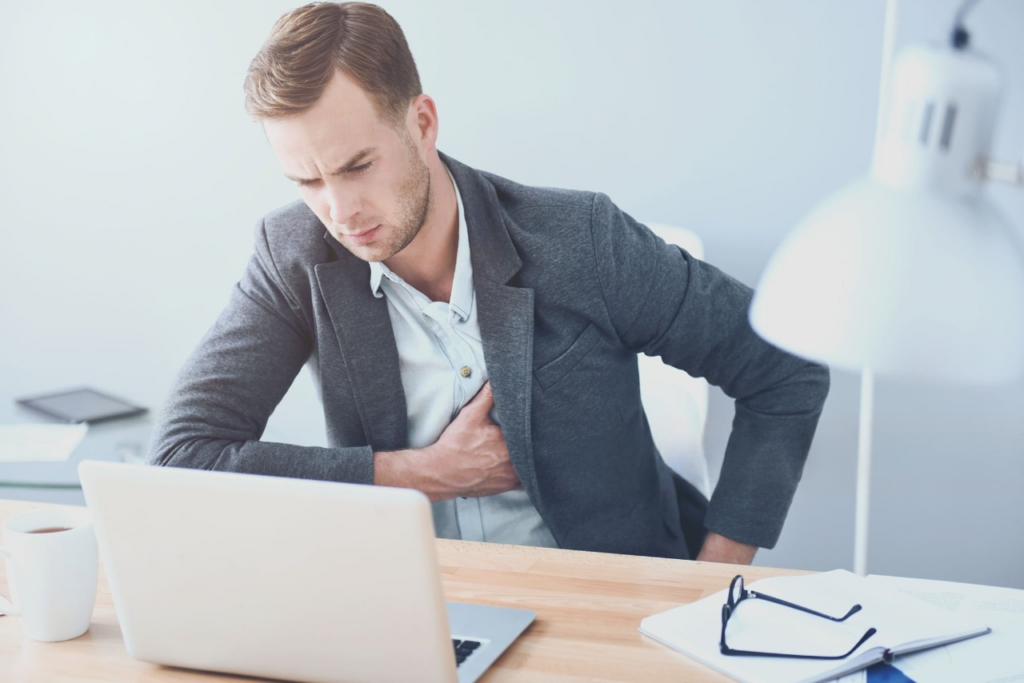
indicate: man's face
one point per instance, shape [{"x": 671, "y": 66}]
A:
[{"x": 364, "y": 179}]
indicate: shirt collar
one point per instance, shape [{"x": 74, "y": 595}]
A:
[
  {"x": 462, "y": 285},
  {"x": 376, "y": 273}
]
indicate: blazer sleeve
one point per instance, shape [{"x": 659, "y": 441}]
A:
[
  {"x": 230, "y": 385},
  {"x": 662, "y": 301}
]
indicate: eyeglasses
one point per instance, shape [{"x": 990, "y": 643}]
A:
[{"x": 737, "y": 594}]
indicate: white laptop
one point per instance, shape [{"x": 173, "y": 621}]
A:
[{"x": 284, "y": 578}]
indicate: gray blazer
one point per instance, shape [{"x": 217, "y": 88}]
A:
[{"x": 570, "y": 289}]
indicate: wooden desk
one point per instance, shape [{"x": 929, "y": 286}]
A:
[{"x": 588, "y": 608}]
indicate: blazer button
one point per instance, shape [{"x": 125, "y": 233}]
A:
[{"x": 466, "y": 371}]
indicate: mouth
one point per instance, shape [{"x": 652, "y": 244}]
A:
[{"x": 364, "y": 237}]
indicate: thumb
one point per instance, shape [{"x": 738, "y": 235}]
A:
[{"x": 484, "y": 399}]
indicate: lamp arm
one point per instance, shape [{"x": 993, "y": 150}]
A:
[
  {"x": 888, "y": 50},
  {"x": 959, "y": 37},
  {"x": 863, "y": 498},
  {"x": 965, "y": 7}
]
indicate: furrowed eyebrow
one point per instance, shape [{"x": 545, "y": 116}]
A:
[
  {"x": 346, "y": 168},
  {"x": 355, "y": 161}
]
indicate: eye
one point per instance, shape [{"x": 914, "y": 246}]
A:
[
  {"x": 307, "y": 184},
  {"x": 362, "y": 168}
]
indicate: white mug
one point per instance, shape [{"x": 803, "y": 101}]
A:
[{"x": 51, "y": 575}]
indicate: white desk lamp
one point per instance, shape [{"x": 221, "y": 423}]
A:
[{"x": 912, "y": 271}]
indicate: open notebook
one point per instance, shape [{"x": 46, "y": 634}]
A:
[{"x": 903, "y": 625}]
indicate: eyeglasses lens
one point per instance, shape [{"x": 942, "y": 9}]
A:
[{"x": 735, "y": 592}]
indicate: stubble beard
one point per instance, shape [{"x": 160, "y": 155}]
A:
[{"x": 414, "y": 206}]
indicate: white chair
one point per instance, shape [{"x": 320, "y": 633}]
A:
[{"x": 676, "y": 403}]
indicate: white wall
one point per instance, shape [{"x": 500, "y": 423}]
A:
[{"x": 130, "y": 180}]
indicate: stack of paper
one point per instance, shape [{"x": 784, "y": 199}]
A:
[{"x": 39, "y": 442}]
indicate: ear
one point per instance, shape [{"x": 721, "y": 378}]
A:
[{"x": 421, "y": 122}]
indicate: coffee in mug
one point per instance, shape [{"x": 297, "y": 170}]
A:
[{"x": 52, "y": 569}]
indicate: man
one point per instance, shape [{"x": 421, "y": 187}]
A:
[{"x": 471, "y": 337}]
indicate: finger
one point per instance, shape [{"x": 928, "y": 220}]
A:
[{"x": 484, "y": 399}]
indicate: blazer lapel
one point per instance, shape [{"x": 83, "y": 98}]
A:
[
  {"x": 368, "y": 347},
  {"x": 506, "y": 319},
  {"x": 506, "y": 325}
]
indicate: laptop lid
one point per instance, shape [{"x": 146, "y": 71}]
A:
[{"x": 284, "y": 578}]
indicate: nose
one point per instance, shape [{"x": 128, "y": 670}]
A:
[{"x": 343, "y": 203}]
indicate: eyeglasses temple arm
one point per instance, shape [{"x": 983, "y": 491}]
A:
[
  {"x": 762, "y": 596},
  {"x": 726, "y": 650}
]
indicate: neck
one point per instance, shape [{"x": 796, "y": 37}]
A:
[{"x": 428, "y": 262}]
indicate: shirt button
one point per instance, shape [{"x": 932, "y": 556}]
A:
[{"x": 466, "y": 371}]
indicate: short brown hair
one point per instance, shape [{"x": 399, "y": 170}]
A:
[{"x": 307, "y": 45}]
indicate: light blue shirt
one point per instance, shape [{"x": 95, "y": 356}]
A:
[{"x": 441, "y": 359}]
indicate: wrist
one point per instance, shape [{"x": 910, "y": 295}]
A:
[
  {"x": 428, "y": 473},
  {"x": 718, "y": 548},
  {"x": 408, "y": 469},
  {"x": 390, "y": 469}
]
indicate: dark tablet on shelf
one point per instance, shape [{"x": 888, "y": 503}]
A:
[{"x": 81, "y": 405}]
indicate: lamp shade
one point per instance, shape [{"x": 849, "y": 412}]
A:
[
  {"x": 911, "y": 284},
  {"x": 911, "y": 272}
]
